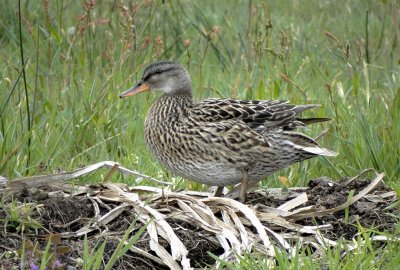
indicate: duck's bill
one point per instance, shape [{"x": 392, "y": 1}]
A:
[{"x": 139, "y": 87}]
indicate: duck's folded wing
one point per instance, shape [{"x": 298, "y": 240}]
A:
[{"x": 257, "y": 114}]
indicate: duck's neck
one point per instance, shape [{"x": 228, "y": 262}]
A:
[
  {"x": 171, "y": 107},
  {"x": 178, "y": 99}
]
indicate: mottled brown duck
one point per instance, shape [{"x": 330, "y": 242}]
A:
[{"x": 222, "y": 141}]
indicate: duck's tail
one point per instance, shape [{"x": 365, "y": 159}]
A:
[
  {"x": 303, "y": 122},
  {"x": 309, "y": 121},
  {"x": 291, "y": 147},
  {"x": 309, "y": 145}
]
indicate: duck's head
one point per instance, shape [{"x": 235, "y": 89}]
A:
[{"x": 167, "y": 77}]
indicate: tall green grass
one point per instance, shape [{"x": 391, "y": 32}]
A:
[{"x": 80, "y": 56}]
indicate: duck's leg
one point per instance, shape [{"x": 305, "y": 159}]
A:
[
  {"x": 244, "y": 186},
  {"x": 218, "y": 191}
]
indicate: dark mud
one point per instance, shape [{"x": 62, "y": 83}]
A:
[{"x": 61, "y": 215}]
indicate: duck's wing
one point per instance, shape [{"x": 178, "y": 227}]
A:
[
  {"x": 259, "y": 115},
  {"x": 242, "y": 127}
]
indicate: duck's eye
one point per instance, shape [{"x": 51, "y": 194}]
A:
[{"x": 155, "y": 75}]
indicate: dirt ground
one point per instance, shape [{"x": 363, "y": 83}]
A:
[{"x": 58, "y": 215}]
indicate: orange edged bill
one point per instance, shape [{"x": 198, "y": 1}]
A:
[{"x": 139, "y": 87}]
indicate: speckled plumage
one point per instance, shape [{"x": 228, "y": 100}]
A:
[{"x": 221, "y": 141}]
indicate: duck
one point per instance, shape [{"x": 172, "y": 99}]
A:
[{"x": 221, "y": 141}]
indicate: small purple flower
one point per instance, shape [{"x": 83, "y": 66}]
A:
[{"x": 33, "y": 266}]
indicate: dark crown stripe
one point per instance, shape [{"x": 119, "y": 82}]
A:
[{"x": 157, "y": 72}]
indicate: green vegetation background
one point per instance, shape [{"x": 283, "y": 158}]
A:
[{"x": 63, "y": 112}]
